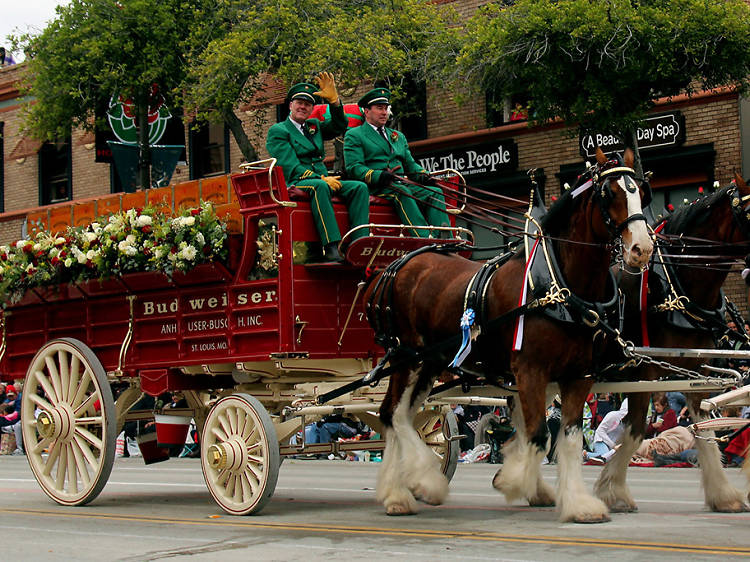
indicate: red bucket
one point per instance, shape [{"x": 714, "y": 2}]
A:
[
  {"x": 171, "y": 430},
  {"x": 150, "y": 450}
]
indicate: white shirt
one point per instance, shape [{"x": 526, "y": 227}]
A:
[
  {"x": 297, "y": 125},
  {"x": 611, "y": 429}
]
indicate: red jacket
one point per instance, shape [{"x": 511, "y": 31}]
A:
[{"x": 669, "y": 421}]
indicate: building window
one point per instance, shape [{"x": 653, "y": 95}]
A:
[
  {"x": 55, "y": 181},
  {"x": 209, "y": 153},
  {"x": 501, "y": 111},
  {"x": 410, "y": 109}
]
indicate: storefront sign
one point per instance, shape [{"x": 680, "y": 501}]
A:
[
  {"x": 473, "y": 161},
  {"x": 666, "y": 129}
]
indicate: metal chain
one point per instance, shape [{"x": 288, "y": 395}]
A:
[{"x": 636, "y": 359}]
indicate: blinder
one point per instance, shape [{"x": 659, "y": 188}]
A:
[{"x": 606, "y": 196}]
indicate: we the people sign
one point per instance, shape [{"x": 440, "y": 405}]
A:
[{"x": 475, "y": 160}]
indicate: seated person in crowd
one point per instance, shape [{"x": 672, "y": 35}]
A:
[
  {"x": 663, "y": 417},
  {"x": 377, "y": 155},
  {"x": 675, "y": 445},
  {"x": 607, "y": 434},
  {"x": 331, "y": 428},
  {"x": 297, "y": 145},
  {"x": 12, "y": 416}
]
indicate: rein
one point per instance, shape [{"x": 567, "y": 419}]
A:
[{"x": 676, "y": 299}]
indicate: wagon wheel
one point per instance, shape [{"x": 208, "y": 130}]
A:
[
  {"x": 69, "y": 422},
  {"x": 240, "y": 454},
  {"x": 429, "y": 425}
]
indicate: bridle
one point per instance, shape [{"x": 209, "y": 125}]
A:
[
  {"x": 605, "y": 196},
  {"x": 740, "y": 206}
]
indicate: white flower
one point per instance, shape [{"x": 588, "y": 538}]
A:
[
  {"x": 68, "y": 262},
  {"x": 200, "y": 239},
  {"x": 91, "y": 254},
  {"x": 2, "y": 270},
  {"x": 158, "y": 253},
  {"x": 59, "y": 240},
  {"x": 130, "y": 239},
  {"x": 123, "y": 245},
  {"x": 37, "y": 247},
  {"x": 30, "y": 268},
  {"x": 90, "y": 236},
  {"x": 189, "y": 221},
  {"x": 143, "y": 220},
  {"x": 21, "y": 243},
  {"x": 188, "y": 253}
]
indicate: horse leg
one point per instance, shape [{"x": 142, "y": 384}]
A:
[
  {"x": 520, "y": 475},
  {"x": 573, "y": 500},
  {"x": 420, "y": 466},
  {"x": 719, "y": 493},
  {"x": 391, "y": 485},
  {"x": 612, "y": 487}
]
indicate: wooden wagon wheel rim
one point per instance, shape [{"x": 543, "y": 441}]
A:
[
  {"x": 68, "y": 421},
  {"x": 430, "y": 427},
  {"x": 240, "y": 454}
]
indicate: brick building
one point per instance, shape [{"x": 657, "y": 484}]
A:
[{"x": 688, "y": 143}]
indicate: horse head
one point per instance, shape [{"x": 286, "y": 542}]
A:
[
  {"x": 739, "y": 199},
  {"x": 621, "y": 200}
]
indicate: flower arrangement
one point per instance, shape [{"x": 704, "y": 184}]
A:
[{"x": 129, "y": 241}]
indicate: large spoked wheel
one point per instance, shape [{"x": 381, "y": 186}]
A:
[
  {"x": 435, "y": 427},
  {"x": 240, "y": 454},
  {"x": 69, "y": 422}
]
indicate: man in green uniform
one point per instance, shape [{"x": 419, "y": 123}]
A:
[
  {"x": 297, "y": 145},
  {"x": 376, "y": 155}
]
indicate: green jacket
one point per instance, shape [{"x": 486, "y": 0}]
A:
[
  {"x": 301, "y": 155},
  {"x": 367, "y": 154}
]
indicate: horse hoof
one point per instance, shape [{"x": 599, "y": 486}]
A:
[
  {"x": 731, "y": 507},
  {"x": 590, "y": 519},
  {"x": 542, "y": 501},
  {"x": 622, "y": 506},
  {"x": 398, "y": 509}
]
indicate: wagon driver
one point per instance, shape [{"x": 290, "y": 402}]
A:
[
  {"x": 297, "y": 145},
  {"x": 378, "y": 155}
]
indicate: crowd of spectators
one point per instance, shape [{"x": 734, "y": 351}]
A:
[{"x": 10, "y": 417}]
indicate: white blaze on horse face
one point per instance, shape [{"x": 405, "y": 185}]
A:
[{"x": 636, "y": 242}]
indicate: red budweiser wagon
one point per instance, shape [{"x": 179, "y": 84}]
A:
[{"x": 251, "y": 345}]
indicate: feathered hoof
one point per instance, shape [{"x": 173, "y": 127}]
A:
[
  {"x": 590, "y": 519},
  {"x": 621, "y": 506},
  {"x": 731, "y": 507},
  {"x": 399, "y": 509},
  {"x": 429, "y": 497},
  {"x": 542, "y": 500}
]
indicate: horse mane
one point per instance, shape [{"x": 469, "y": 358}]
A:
[
  {"x": 558, "y": 215},
  {"x": 689, "y": 216}
]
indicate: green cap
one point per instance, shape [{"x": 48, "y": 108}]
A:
[
  {"x": 302, "y": 91},
  {"x": 377, "y": 95}
]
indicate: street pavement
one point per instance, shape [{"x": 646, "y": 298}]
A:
[{"x": 326, "y": 510}]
